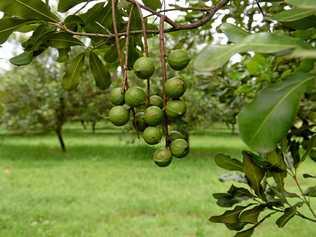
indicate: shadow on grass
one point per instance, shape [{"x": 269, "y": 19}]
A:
[{"x": 97, "y": 152}]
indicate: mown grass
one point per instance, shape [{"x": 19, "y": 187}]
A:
[{"x": 106, "y": 187}]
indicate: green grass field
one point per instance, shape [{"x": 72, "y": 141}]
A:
[{"x": 105, "y": 187}]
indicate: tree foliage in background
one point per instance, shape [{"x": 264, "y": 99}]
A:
[{"x": 33, "y": 100}]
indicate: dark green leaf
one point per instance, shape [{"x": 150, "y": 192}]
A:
[
  {"x": 245, "y": 233},
  {"x": 265, "y": 121},
  {"x": 74, "y": 22},
  {"x": 311, "y": 192},
  {"x": 62, "y": 40},
  {"x": 22, "y": 59},
  {"x": 63, "y": 55},
  {"x": 38, "y": 40},
  {"x": 229, "y": 217},
  {"x": 228, "y": 163},
  {"x": 101, "y": 74},
  {"x": 309, "y": 176},
  {"x": 72, "y": 76},
  {"x": 65, "y": 5},
  {"x": 8, "y": 25},
  {"x": 254, "y": 174},
  {"x": 28, "y": 9},
  {"x": 289, "y": 213},
  {"x": 234, "y": 195},
  {"x": 152, "y": 4},
  {"x": 251, "y": 216}
]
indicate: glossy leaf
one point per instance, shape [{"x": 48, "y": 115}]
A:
[
  {"x": 65, "y": 5},
  {"x": 245, "y": 233},
  {"x": 294, "y": 14},
  {"x": 22, "y": 59},
  {"x": 234, "y": 195},
  {"x": 215, "y": 56},
  {"x": 265, "y": 121},
  {"x": 62, "y": 40},
  {"x": 101, "y": 74},
  {"x": 8, "y": 25},
  {"x": 289, "y": 213},
  {"x": 251, "y": 216},
  {"x": 254, "y": 174},
  {"x": 28, "y": 9},
  {"x": 152, "y": 4},
  {"x": 38, "y": 38},
  {"x": 228, "y": 163},
  {"x": 229, "y": 217},
  {"x": 72, "y": 76},
  {"x": 74, "y": 22}
]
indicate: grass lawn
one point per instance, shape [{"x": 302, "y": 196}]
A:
[{"x": 104, "y": 187}]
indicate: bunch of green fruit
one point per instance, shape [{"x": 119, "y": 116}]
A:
[{"x": 153, "y": 116}]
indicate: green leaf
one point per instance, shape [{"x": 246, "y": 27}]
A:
[
  {"x": 234, "y": 195},
  {"x": 71, "y": 78},
  {"x": 28, "y": 9},
  {"x": 251, "y": 216},
  {"x": 8, "y": 25},
  {"x": 245, "y": 233},
  {"x": 152, "y": 4},
  {"x": 63, "y": 55},
  {"x": 289, "y": 213},
  {"x": 230, "y": 216},
  {"x": 309, "y": 176},
  {"x": 254, "y": 174},
  {"x": 38, "y": 40},
  {"x": 265, "y": 121},
  {"x": 234, "y": 33},
  {"x": 303, "y": 53},
  {"x": 65, "y": 5},
  {"x": 293, "y": 15},
  {"x": 228, "y": 163},
  {"x": 22, "y": 59},
  {"x": 311, "y": 192},
  {"x": 101, "y": 74},
  {"x": 306, "y": 4},
  {"x": 62, "y": 40},
  {"x": 74, "y": 22},
  {"x": 214, "y": 56}
]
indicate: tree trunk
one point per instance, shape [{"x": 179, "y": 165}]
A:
[
  {"x": 61, "y": 139},
  {"x": 93, "y": 125},
  {"x": 60, "y": 120},
  {"x": 83, "y": 124}
]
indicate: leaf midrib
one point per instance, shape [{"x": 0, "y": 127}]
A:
[
  {"x": 275, "y": 106},
  {"x": 35, "y": 10}
]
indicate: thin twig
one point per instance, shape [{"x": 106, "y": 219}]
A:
[
  {"x": 164, "y": 76},
  {"x": 117, "y": 38},
  {"x": 146, "y": 50},
  {"x": 168, "y": 20},
  {"x": 128, "y": 28},
  {"x": 178, "y": 8},
  {"x": 175, "y": 27},
  {"x": 307, "y": 202}
]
